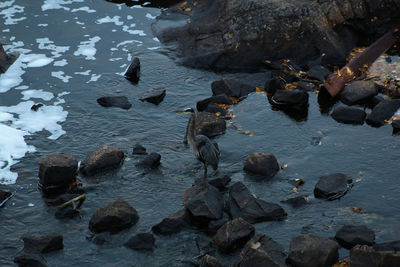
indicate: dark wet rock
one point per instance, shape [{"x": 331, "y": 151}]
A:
[
  {"x": 4, "y": 195},
  {"x": 173, "y": 223},
  {"x": 35, "y": 107},
  {"x": 261, "y": 250},
  {"x": 43, "y": 244},
  {"x": 296, "y": 202},
  {"x": 241, "y": 203},
  {"x": 333, "y": 186},
  {"x": 114, "y": 101},
  {"x": 139, "y": 150},
  {"x": 217, "y": 99},
  {"x": 151, "y": 161},
  {"x": 274, "y": 84},
  {"x": 358, "y": 92},
  {"x": 374, "y": 101},
  {"x": 319, "y": 73},
  {"x": 396, "y": 126},
  {"x": 133, "y": 72},
  {"x": 363, "y": 255},
  {"x": 102, "y": 159},
  {"x": 350, "y": 235},
  {"x": 233, "y": 235},
  {"x": 208, "y": 124},
  {"x": 210, "y": 261},
  {"x": 214, "y": 225},
  {"x": 141, "y": 241},
  {"x": 30, "y": 260},
  {"x": 293, "y": 99},
  {"x": 220, "y": 182},
  {"x": 231, "y": 88},
  {"x": 388, "y": 246},
  {"x": 296, "y": 182},
  {"x": 306, "y": 86},
  {"x": 311, "y": 250},
  {"x": 214, "y": 108},
  {"x": 349, "y": 115},
  {"x": 57, "y": 173},
  {"x": 101, "y": 238},
  {"x": 154, "y": 96},
  {"x": 6, "y": 60},
  {"x": 204, "y": 202},
  {"x": 383, "y": 111},
  {"x": 113, "y": 218},
  {"x": 262, "y": 164},
  {"x": 67, "y": 212}
]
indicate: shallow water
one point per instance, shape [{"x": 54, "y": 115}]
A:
[{"x": 76, "y": 51}]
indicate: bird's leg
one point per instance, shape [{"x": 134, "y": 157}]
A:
[{"x": 205, "y": 174}]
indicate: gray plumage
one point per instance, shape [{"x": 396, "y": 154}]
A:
[{"x": 205, "y": 151}]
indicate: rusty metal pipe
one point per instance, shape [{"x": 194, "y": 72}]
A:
[{"x": 334, "y": 84}]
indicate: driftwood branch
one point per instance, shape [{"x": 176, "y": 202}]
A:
[{"x": 72, "y": 202}]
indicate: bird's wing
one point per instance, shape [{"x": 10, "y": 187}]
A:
[{"x": 207, "y": 151}]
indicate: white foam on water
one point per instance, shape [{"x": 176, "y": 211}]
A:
[
  {"x": 129, "y": 17},
  {"x": 43, "y": 25},
  {"x": 149, "y": 16},
  {"x": 36, "y": 60},
  {"x": 153, "y": 48},
  {"x": 7, "y": 3},
  {"x": 156, "y": 39},
  {"x": 12, "y": 77},
  {"x": 17, "y": 46},
  {"x": 83, "y": 72},
  {"x": 87, "y": 49},
  {"x": 9, "y": 13},
  {"x": 58, "y": 4},
  {"x": 22, "y": 87},
  {"x": 80, "y": 23},
  {"x": 28, "y": 94},
  {"x": 127, "y": 29},
  {"x": 84, "y": 8},
  {"x": 60, "y": 63},
  {"x": 129, "y": 42},
  {"x": 108, "y": 19},
  {"x": 6, "y": 30},
  {"x": 47, "y": 44},
  {"x": 4, "y": 116},
  {"x": 61, "y": 75},
  {"x": 94, "y": 78},
  {"x": 115, "y": 59}
]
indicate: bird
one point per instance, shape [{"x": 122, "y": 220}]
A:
[{"x": 205, "y": 151}]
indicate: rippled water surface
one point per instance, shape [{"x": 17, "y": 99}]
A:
[{"x": 73, "y": 52}]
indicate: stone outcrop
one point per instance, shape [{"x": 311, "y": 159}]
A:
[{"x": 102, "y": 159}]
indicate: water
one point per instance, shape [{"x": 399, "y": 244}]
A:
[{"x": 76, "y": 51}]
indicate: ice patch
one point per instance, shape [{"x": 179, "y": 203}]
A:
[
  {"x": 9, "y": 13},
  {"x": 58, "y": 4},
  {"x": 60, "y": 63},
  {"x": 61, "y": 75},
  {"x": 108, "y": 19},
  {"x": 28, "y": 94},
  {"x": 87, "y": 49},
  {"x": 84, "y": 8},
  {"x": 47, "y": 44},
  {"x": 149, "y": 16}
]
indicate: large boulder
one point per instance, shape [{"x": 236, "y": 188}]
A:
[
  {"x": 208, "y": 124},
  {"x": 173, "y": 223},
  {"x": 113, "y": 218},
  {"x": 241, "y": 203},
  {"x": 57, "y": 173},
  {"x": 350, "y": 235},
  {"x": 384, "y": 110},
  {"x": 261, "y": 250},
  {"x": 358, "y": 92},
  {"x": 333, "y": 186},
  {"x": 231, "y": 88},
  {"x": 262, "y": 164},
  {"x": 102, "y": 159},
  {"x": 43, "y": 244},
  {"x": 233, "y": 235},
  {"x": 241, "y": 35},
  {"x": 349, "y": 115},
  {"x": 312, "y": 251}
]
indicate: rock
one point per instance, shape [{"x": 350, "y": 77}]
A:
[
  {"x": 363, "y": 255},
  {"x": 293, "y": 99},
  {"x": 6, "y": 60},
  {"x": 233, "y": 235},
  {"x": 133, "y": 72},
  {"x": 208, "y": 124},
  {"x": 220, "y": 183},
  {"x": 4, "y": 196},
  {"x": 210, "y": 261},
  {"x": 57, "y": 173},
  {"x": 113, "y": 218},
  {"x": 311, "y": 250},
  {"x": 214, "y": 225},
  {"x": 319, "y": 73},
  {"x": 43, "y": 244},
  {"x": 306, "y": 86},
  {"x": 205, "y": 203},
  {"x": 374, "y": 101},
  {"x": 173, "y": 223},
  {"x": 231, "y": 88},
  {"x": 35, "y": 107},
  {"x": 333, "y": 186},
  {"x": 358, "y": 92},
  {"x": 241, "y": 203},
  {"x": 218, "y": 99},
  {"x": 114, "y": 101},
  {"x": 274, "y": 84},
  {"x": 349, "y": 115},
  {"x": 261, "y": 250},
  {"x": 139, "y": 150},
  {"x": 150, "y": 161},
  {"x": 67, "y": 212},
  {"x": 350, "y": 235},
  {"x": 214, "y": 108},
  {"x": 102, "y": 159},
  {"x": 383, "y": 111},
  {"x": 154, "y": 96},
  {"x": 101, "y": 238},
  {"x": 262, "y": 164},
  {"x": 396, "y": 126},
  {"x": 296, "y": 202},
  {"x": 30, "y": 260},
  {"x": 141, "y": 241},
  {"x": 388, "y": 246}
]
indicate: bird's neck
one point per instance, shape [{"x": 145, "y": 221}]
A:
[{"x": 191, "y": 131}]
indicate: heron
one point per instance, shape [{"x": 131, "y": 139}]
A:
[{"x": 205, "y": 151}]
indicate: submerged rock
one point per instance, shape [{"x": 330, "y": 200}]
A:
[
  {"x": 43, "y": 244},
  {"x": 233, "y": 235},
  {"x": 358, "y": 92},
  {"x": 333, "y": 186},
  {"x": 57, "y": 173},
  {"x": 296, "y": 202},
  {"x": 139, "y": 150},
  {"x": 154, "y": 96},
  {"x": 231, "y": 88},
  {"x": 113, "y": 218},
  {"x": 350, "y": 235},
  {"x": 241, "y": 203},
  {"x": 114, "y": 101},
  {"x": 173, "y": 223},
  {"x": 262, "y": 164},
  {"x": 312, "y": 251},
  {"x": 141, "y": 241},
  {"x": 349, "y": 115},
  {"x": 261, "y": 250},
  {"x": 384, "y": 110},
  {"x": 102, "y": 159},
  {"x": 150, "y": 161},
  {"x": 30, "y": 260},
  {"x": 133, "y": 72},
  {"x": 217, "y": 99},
  {"x": 208, "y": 124},
  {"x": 210, "y": 261}
]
